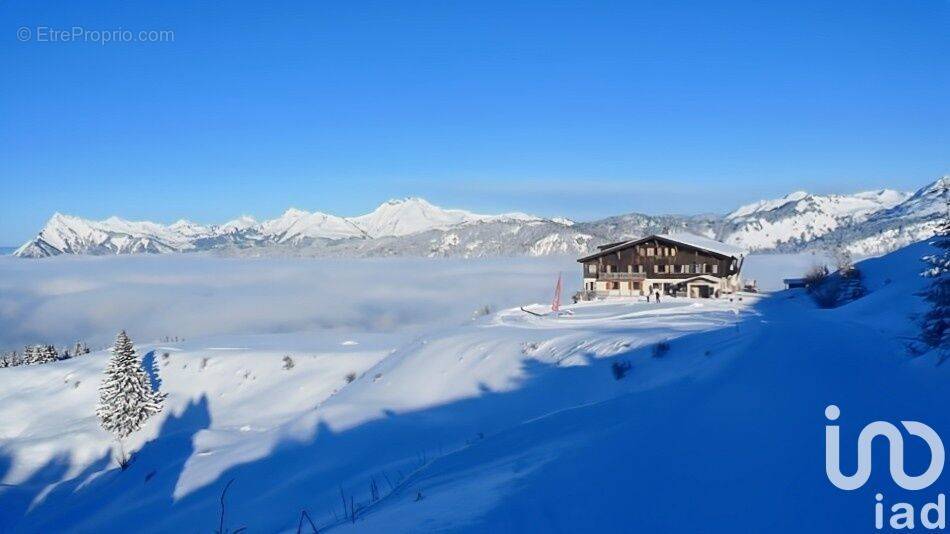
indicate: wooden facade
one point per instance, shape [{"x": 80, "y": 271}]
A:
[{"x": 659, "y": 263}]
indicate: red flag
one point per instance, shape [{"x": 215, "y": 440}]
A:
[{"x": 556, "y": 304}]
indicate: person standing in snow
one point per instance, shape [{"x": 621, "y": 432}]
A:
[{"x": 658, "y": 297}]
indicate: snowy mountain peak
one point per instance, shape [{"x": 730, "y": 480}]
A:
[
  {"x": 562, "y": 221},
  {"x": 296, "y": 225},
  {"x": 412, "y": 215},
  {"x": 61, "y": 221},
  {"x": 940, "y": 186},
  {"x": 408, "y": 216},
  {"x": 930, "y": 199},
  {"x": 189, "y": 228},
  {"x": 240, "y": 224},
  {"x": 294, "y": 213},
  {"x": 870, "y": 222},
  {"x": 407, "y": 200}
]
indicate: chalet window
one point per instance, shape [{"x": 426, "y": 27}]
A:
[
  {"x": 715, "y": 268},
  {"x": 629, "y": 268},
  {"x": 656, "y": 268},
  {"x": 669, "y": 269},
  {"x": 592, "y": 269},
  {"x": 650, "y": 251},
  {"x": 673, "y": 251},
  {"x": 639, "y": 268}
]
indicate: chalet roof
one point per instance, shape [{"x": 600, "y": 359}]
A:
[
  {"x": 683, "y": 238},
  {"x": 705, "y": 243}
]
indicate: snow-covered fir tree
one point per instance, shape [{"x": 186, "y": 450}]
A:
[
  {"x": 32, "y": 354},
  {"x": 934, "y": 332},
  {"x": 13, "y": 359},
  {"x": 126, "y": 398},
  {"x": 80, "y": 349},
  {"x": 47, "y": 354},
  {"x": 39, "y": 354}
]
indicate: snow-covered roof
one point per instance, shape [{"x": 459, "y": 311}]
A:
[
  {"x": 706, "y": 243},
  {"x": 684, "y": 238}
]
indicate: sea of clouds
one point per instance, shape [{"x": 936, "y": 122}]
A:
[{"x": 63, "y": 299}]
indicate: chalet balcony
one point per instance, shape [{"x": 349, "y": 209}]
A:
[{"x": 621, "y": 276}]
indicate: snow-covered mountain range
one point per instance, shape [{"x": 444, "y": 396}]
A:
[{"x": 867, "y": 223}]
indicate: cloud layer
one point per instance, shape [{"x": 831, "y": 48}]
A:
[{"x": 60, "y": 300}]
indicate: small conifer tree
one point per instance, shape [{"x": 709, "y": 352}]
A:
[
  {"x": 126, "y": 398},
  {"x": 80, "y": 349}
]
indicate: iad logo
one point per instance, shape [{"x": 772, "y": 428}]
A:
[
  {"x": 896, "y": 443},
  {"x": 932, "y": 515}
]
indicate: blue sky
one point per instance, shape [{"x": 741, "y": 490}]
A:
[{"x": 578, "y": 109}]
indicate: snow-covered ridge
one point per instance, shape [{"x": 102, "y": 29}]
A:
[
  {"x": 915, "y": 219},
  {"x": 64, "y": 234},
  {"x": 801, "y": 217},
  {"x": 868, "y": 223},
  {"x": 413, "y": 215}
]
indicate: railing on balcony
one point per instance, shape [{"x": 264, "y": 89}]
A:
[{"x": 621, "y": 276}]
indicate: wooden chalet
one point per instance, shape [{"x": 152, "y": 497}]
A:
[{"x": 673, "y": 264}]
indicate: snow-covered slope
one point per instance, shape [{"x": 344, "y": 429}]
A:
[
  {"x": 915, "y": 219},
  {"x": 801, "y": 217},
  {"x": 509, "y": 423},
  {"x": 291, "y": 438}
]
